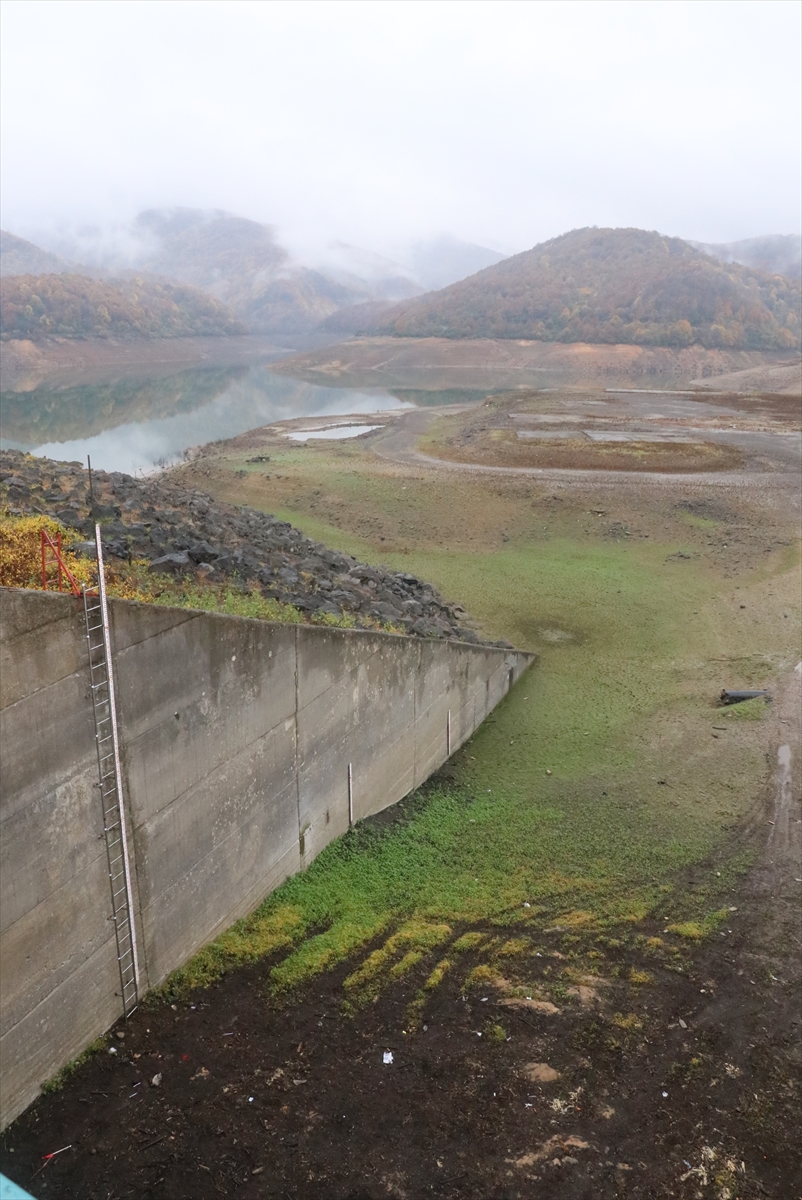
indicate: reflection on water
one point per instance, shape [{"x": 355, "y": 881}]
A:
[
  {"x": 423, "y": 398},
  {"x": 133, "y": 425},
  {"x": 47, "y": 415},
  {"x": 338, "y": 432}
]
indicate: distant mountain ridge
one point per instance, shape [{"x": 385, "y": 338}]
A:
[
  {"x": 445, "y": 260},
  {"x": 592, "y": 285},
  {"x": 626, "y": 286},
  {"x": 240, "y": 263},
  {"x": 777, "y": 253},
  {"x": 20, "y": 257}
]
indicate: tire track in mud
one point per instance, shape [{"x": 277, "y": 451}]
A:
[{"x": 397, "y": 443}]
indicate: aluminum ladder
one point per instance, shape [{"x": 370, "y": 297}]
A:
[{"x": 111, "y": 791}]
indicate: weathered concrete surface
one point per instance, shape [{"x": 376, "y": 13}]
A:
[
  {"x": 58, "y": 967},
  {"x": 236, "y": 739}
]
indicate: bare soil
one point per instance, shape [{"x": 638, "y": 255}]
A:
[
  {"x": 784, "y": 378},
  {"x": 580, "y": 455},
  {"x": 686, "y": 1087}
]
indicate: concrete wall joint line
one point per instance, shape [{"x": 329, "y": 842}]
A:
[
  {"x": 206, "y": 852},
  {"x": 245, "y": 749},
  {"x": 296, "y": 749},
  {"x": 183, "y": 617}
]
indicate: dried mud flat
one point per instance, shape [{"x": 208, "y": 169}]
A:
[{"x": 618, "y": 433}]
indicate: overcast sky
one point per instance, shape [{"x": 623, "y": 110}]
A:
[{"x": 377, "y": 122}]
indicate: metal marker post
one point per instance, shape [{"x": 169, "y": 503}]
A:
[{"x": 350, "y": 795}]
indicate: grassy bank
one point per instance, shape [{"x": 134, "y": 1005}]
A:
[{"x": 600, "y": 800}]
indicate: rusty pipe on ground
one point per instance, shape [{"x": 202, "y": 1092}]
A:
[{"x": 730, "y": 697}]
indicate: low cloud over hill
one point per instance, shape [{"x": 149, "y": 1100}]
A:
[
  {"x": 241, "y": 263},
  {"x": 613, "y": 286},
  {"x": 777, "y": 253},
  {"x": 18, "y": 257}
]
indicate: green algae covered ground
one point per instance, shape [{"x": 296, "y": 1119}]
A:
[{"x": 606, "y": 776}]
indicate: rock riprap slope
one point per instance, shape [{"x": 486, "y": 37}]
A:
[{"x": 181, "y": 532}]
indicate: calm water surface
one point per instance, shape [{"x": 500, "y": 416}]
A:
[{"x": 137, "y": 424}]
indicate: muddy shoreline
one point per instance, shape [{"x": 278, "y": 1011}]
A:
[
  {"x": 442, "y": 363},
  {"x": 26, "y": 365}
]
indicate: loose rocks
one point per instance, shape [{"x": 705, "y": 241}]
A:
[{"x": 181, "y": 532}]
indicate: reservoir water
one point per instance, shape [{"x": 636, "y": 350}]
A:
[{"x": 137, "y": 424}]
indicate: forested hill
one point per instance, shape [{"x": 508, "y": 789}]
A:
[
  {"x": 615, "y": 286},
  {"x": 18, "y": 257},
  {"x": 74, "y": 306}
]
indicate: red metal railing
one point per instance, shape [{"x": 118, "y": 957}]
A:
[{"x": 51, "y": 557}]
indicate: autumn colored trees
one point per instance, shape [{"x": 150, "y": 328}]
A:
[
  {"x": 612, "y": 285},
  {"x": 76, "y": 306}
]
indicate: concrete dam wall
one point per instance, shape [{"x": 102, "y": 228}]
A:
[{"x": 236, "y": 739}]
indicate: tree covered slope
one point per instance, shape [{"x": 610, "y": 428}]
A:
[
  {"x": 75, "y": 306},
  {"x": 20, "y": 257},
  {"x": 615, "y": 286}
]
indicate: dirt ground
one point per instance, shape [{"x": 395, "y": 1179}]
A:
[
  {"x": 687, "y": 1087},
  {"x": 662, "y": 1068}
]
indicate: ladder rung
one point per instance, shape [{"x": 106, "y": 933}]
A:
[{"x": 103, "y": 707}]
